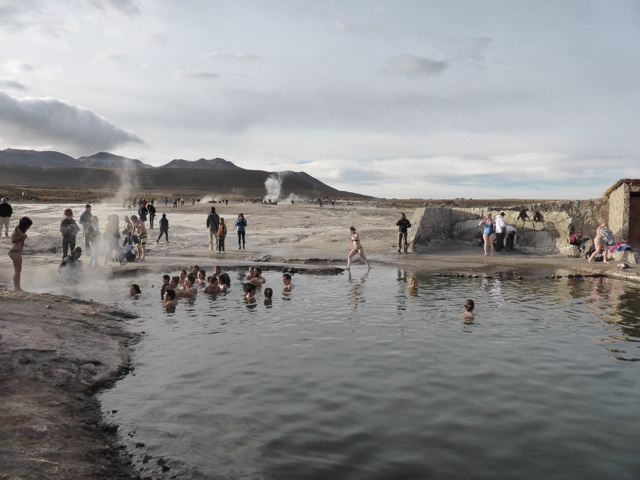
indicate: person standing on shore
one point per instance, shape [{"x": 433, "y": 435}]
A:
[
  {"x": 85, "y": 223},
  {"x": 141, "y": 231},
  {"x": 600, "y": 242},
  {"x": 164, "y": 228},
  {"x": 69, "y": 229},
  {"x": 6, "y": 210},
  {"x": 17, "y": 245},
  {"x": 241, "y": 225},
  {"x": 213, "y": 222},
  {"x": 488, "y": 232},
  {"x": 222, "y": 234},
  {"x": 501, "y": 230},
  {"x": 152, "y": 213},
  {"x": 357, "y": 248},
  {"x": 403, "y": 232}
]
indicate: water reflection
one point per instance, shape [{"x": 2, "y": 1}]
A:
[{"x": 356, "y": 287}]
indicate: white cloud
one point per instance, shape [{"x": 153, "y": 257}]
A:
[
  {"x": 413, "y": 67},
  {"x": 51, "y": 122}
]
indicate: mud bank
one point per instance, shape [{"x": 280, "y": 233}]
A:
[{"x": 55, "y": 353}]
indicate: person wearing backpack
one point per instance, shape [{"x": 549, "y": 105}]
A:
[
  {"x": 488, "y": 232},
  {"x": 222, "y": 233},
  {"x": 213, "y": 222}
]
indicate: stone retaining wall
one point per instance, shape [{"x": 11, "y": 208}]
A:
[{"x": 434, "y": 225}]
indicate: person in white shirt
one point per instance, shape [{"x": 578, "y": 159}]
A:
[{"x": 501, "y": 227}]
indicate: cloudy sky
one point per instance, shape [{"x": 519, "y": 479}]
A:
[{"x": 391, "y": 98}]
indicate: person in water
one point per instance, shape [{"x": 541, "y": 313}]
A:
[
  {"x": 170, "y": 298},
  {"x": 258, "y": 279},
  {"x": 357, "y": 248},
  {"x": 250, "y": 291},
  {"x": 469, "y": 305},
  {"x": 413, "y": 285},
  {"x": 286, "y": 280},
  {"x": 134, "y": 291},
  {"x": 17, "y": 245},
  {"x": 268, "y": 294}
]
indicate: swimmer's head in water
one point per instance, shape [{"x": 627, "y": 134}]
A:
[
  {"x": 169, "y": 294},
  {"x": 135, "y": 289},
  {"x": 469, "y": 305},
  {"x": 268, "y": 292}
]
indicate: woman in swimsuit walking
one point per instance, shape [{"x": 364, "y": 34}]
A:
[
  {"x": 357, "y": 248},
  {"x": 15, "y": 254}
]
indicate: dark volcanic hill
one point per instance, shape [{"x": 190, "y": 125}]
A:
[
  {"x": 107, "y": 172},
  {"x": 109, "y": 160}
]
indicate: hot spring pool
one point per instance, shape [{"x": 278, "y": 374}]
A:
[{"x": 356, "y": 378}]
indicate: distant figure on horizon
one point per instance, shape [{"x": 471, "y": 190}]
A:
[
  {"x": 357, "y": 248},
  {"x": 17, "y": 245},
  {"x": 6, "y": 210},
  {"x": 403, "y": 232}
]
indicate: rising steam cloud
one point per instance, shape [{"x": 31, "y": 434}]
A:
[{"x": 273, "y": 184}]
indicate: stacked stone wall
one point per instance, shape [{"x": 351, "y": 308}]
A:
[
  {"x": 433, "y": 225},
  {"x": 619, "y": 211}
]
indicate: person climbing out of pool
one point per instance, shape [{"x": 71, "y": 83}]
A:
[
  {"x": 357, "y": 248},
  {"x": 469, "y": 305}
]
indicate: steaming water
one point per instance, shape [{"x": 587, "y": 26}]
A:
[{"x": 355, "y": 378}]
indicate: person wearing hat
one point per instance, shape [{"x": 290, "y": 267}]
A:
[
  {"x": 85, "y": 223},
  {"x": 5, "y": 213}
]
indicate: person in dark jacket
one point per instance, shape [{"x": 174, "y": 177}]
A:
[
  {"x": 69, "y": 229},
  {"x": 164, "y": 228},
  {"x": 5, "y": 213},
  {"x": 213, "y": 222},
  {"x": 152, "y": 213},
  {"x": 403, "y": 226}
]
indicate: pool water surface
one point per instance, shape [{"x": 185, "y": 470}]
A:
[{"x": 352, "y": 376}]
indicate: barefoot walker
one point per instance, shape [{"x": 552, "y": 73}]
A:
[{"x": 357, "y": 248}]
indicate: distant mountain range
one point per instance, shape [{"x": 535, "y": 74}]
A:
[{"x": 105, "y": 171}]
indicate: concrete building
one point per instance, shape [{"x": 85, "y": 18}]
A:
[{"x": 624, "y": 210}]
